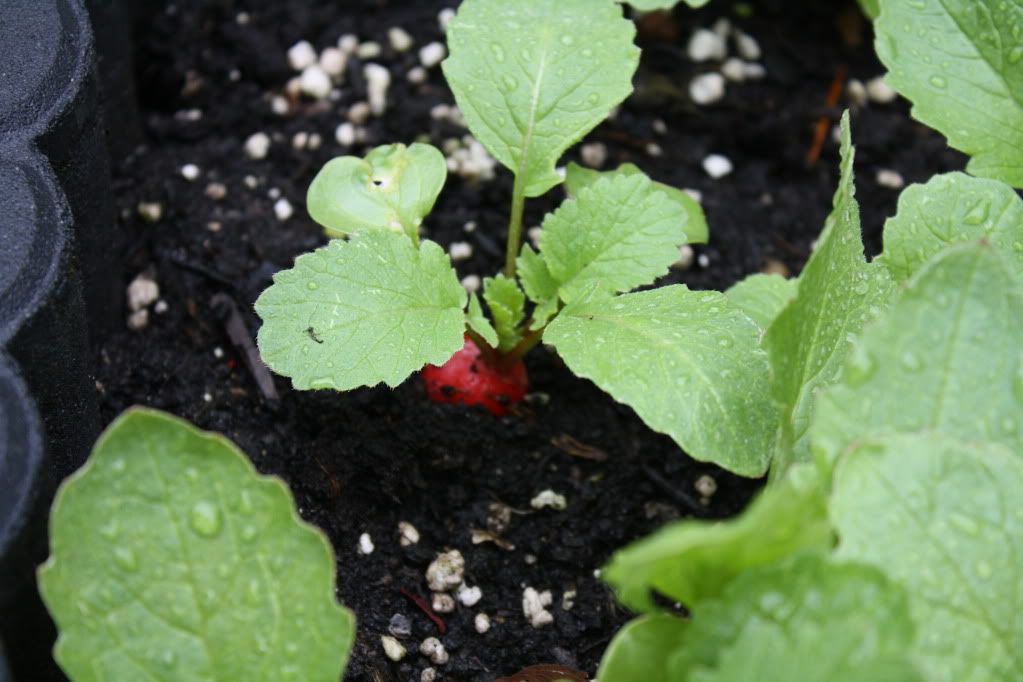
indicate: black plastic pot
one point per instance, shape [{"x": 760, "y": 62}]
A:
[{"x": 59, "y": 283}]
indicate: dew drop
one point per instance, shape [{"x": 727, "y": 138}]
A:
[
  {"x": 125, "y": 558},
  {"x": 593, "y": 99},
  {"x": 249, "y": 533},
  {"x": 1016, "y": 54},
  {"x": 938, "y": 82},
  {"x": 910, "y": 362},
  {"x": 725, "y": 343},
  {"x": 118, "y": 465},
  {"x": 860, "y": 368},
  {"x": 168, "y": 659},
  {"x": 965, "y": 524},
  {"x": 205, "y": 519},
  {"x": 587, "y": 52},
  {"x": 312, "y": 286},
  {"x": 498, "y": 52},
  {"x": 109, "y": 530},
  {"x": 1008, "y": 425},
  {"x": 984, "y": 570},
  {"x": 510, "y": 83},
  {"x": 567, "y": 39},
  {"x": 978, "y": 214}
]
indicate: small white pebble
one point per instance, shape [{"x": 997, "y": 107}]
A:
[
  {"x": 568, "y": 600},
  {"x": 432, "y": 647},
  {"x": 722, "y": 28},
  {"x": 707, "y": 88},
  {"x": 293, "y": 88},
  {"x": 444, "y": 18},
  {"x": 399, "y": 39},
  {"x": 251, "y": 181},
  {"x": 315, "y": 82},
  {"x": 301, "y": 55},
  {"x": 593, "y": 154},
  {"x": 469, "y": 596},
  {"x": 533, "y": 607},
  {"x": 717, "y": 166},
  {"x": 695, "y": 194},
  {"x": 747, "y": 46},
  {"x": 333, "y": 62},
  {"x": 754, "y": 71},
  {"x": 433, "y": 54},
  {"x": 446, "y": 571},
  {"x": 190, "y": 172},
  {"x": 534, "y": 235},
  {"x": 218, "y": 352},
  {"x": 257, "y": 146},
  {"x": 704, "y": 45},
  {"x": 315, "y": 141},
  {"x": 549, "y": 498},
  {"x": 428, "y": 675},
  {"x": 274, "y": 193},
  {"x": 242, "y": 18},
  {"x": 734, "y": 69},
  {"x": 348, "y": 43},
  {"x": 856, "y": 92},
  {"x": 366, "y": 544},
  {"x": 207, "y": 397},
  {"x": 442, "y": 603},
  {"x": 160, "y": 307},
  {"x": 703, "y": 260},
  {"x": 300, "y": 140},
  {"x": 359, "y": 113},
  {"x": 880, "y": 92},
  {"x": 216, "y": 191},
  {"x": 393, "y": 648},
  {"x": 280, "y": 105},
  {"x": 482, "y": 623},
  {"x": 659, "y": 126},
  {"x": 345, "y": 134},
  {"x": 686, "y": 255},
  {"x": 460, "y": 251},
  {"x": 138, "y": 319},
  {"x": 378, "y": 80},
  {"x": 469, "y": 227},
  {"x": 471, "y": 283},
  {"x": 705, "y": 485},
  {"x": 890, "y": 179},
  {"x": 283, "y": 209},
  {"x": 417, "y": 75},
  {"x": 655, "y": 150},
  {"x": 142, "y": 291},
  {"x": 407, "y": 534},
  {"x": 150, "y": 211},
  {"x": 368, "y": 50}
]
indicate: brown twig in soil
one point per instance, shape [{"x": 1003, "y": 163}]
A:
[
  {"x": 576, "y": 448},
  {"x": 425, "y": 608},
  {"x": 820, "y": 132},
  {"x": 225, "y": 309},
  {"x": 546, "y": 673}
]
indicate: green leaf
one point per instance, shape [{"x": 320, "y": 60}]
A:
[
  {"x": 961, "y": 63},
  {"x": 651, "y": 5},
  {"x": 540, "y": 286},
  {"x": 532, "y": 77},
  {"x": 479, "y": 323},
  {"x": 688, "y": 362},
  {"x": 507, "y": 306},
  {"x": 172, "y": 559},
  {"x": 808, "y": 619},
  {"x": 763, "y": 297},
  {"x": 941, "y": 518},
  {"x": 945, "y": 357},
  {"x": 360, "y": 312},
  {"x": 871, "y": 8},
  {"x": 692, "y": 561},
  {"x": 393, "y": 188},
  {"x": 618, "y": 234},
  {"x": 578, "y": 178},
  {"x": 838, "y": 293},
  {"x": 641, "y": 650},
  {"x": 951, "y": 209}
]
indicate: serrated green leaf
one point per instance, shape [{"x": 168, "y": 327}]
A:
[
  {"x": 641, "y": 649},
  {"x": 763, "y": 297},
  {"x": 479, "y": 323},
  {"x": 838, "y": 293},
  {"x": 688, "y": 362},
  {"x": 945, "y": 357},
  {"x": 941, "y": 519},
  {"x": 961, "y": 63},
  {"x": 578, "y": 178},
  {"x": 532, "y": 77},
  {"x": 618, "y": 234},
  {"x": 951, "y": 209},
  {"x": 871, "y": 8},
  {"x": 691, "y": 561},
  {"x": 172, "y": 559},
  {"x": 393, "y": 188},
  {"x": 808, "y": 619},
  {"x": 536, "y": 279},
  {"x": 360, "y": 312},
  {"x": 507, "y": 306}
]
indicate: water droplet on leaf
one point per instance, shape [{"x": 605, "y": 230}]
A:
[{"x": 205, "y": 519}]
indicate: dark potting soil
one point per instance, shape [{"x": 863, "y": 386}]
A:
[{"x": 361, "y": 462}]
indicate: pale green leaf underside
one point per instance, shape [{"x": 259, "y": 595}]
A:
[
  {"x": 763, "y": 297},
  {"x": 641, "y": 649},
  {"x": 393, "y": 188},
  {"x": 532, "y": 77},
  {"x": 942, "y": 519},
  {"x": 689, "y": 364},
  {"x": 618, "y": 234},
  {"x": 952, "y": 209},
  {"x": 808, "y": 619},
  {"x": 651, "y": 5},
  {"x": 961, "y": 63},
  {"x": 360, "y": 312},
  {"x": 478, "y": 322},
  {"x": 172, "y": 559},
  {"x": 838, "y": 293},
  {"x": 691, "y": 561},
  {"x": 945, "y": 357},
  {"x": 506, "y": 302},
  {"x": 577, "y": 178}
]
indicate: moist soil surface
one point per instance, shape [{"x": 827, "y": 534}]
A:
[{"x": 361, "y": 462}]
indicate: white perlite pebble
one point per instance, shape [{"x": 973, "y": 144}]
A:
[
  {"x": 300, "y": 140},
  {"x": 471, "y": 283},
  {"x": 216, "y": 191},
  {"x": 417, "y": 75},
  {"x": 160, "y": 307},
  {"x": 880, "y": 92},
  {"x": 359, "y": 113},
  {"x": 393, "y": 648},
  {"x": 407, "y": 534},
  {"x": 190, "y": 172},
  {"x": 747, "y": 46},
  {"x": 345, "y": 134},
  {"x": 707, "y": 88},
  {"x": 659, "y": 126},
  {"x": 549, "y": 498},
  {"x": 378, "y": 80},
  {"x": 315, "y": 82},
  {"x": 706, "y": 486},
  {"x": 856, "y": 92},
  {"x": 654, "y": 149},
  {"x": 138, "y": 320},
  {"x": 593, "y": 154},
  {"x": 446, "y": 571},
  {"x": 695, "y": 194},
  {"x": 533, "y": 234},
  {"x": 754, "y": 71},
  {"x": 890, "y": 179},
  {"x": 150, "y": 211},
  {"x": 432, "y": 647},
  {"x": 469, "y": 596},
  {"x": 433, "y": 54},
  {"x": 443, "y": 603},
  {"x": 366, "y": 544},
  {"x": 283, "y": 209},
  {"x": 368, "y": 50},
  {"x": 703, "y": 260},
  {"x": 717, "y": 166},
  {"x": 280, "y": 105},
  {"x": 533, "y": 607},
  {"x": 301, "y": 55},
  {"x": 444, "y": 18},
  {"x": 428, "y": 675},
  {"x": 722, "y": 27},
  {"x": 348, "y": 43},
  {"x": 734, "y": 69},
  {"x": 482, "y": 623},
  {"x": 141, "y": 292},
  {"x": 460, "y": 251},
  {"x": 399, "y": 39},
  {"x": 333, "y": 62},
  {"x": 686, "y": 255},
  {"x": 704, "y": 45}
]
